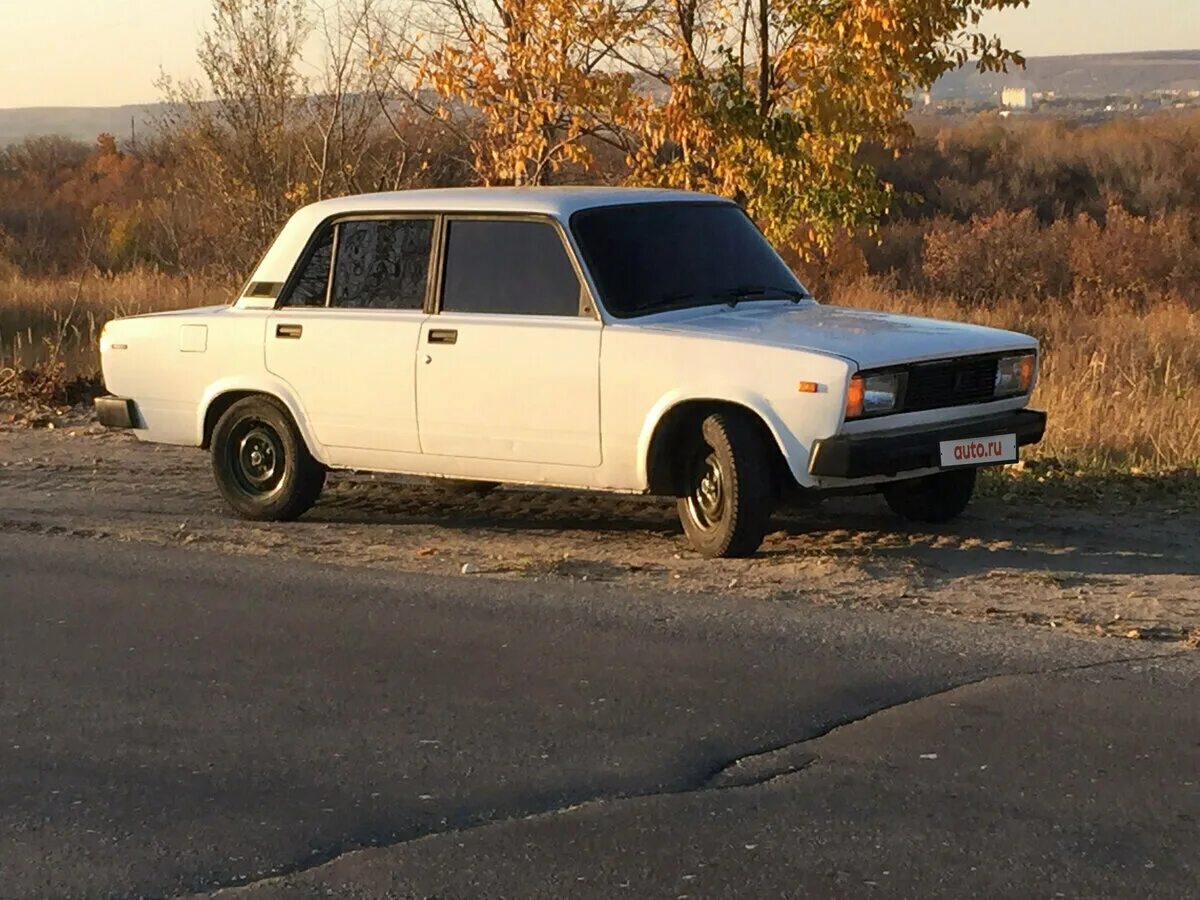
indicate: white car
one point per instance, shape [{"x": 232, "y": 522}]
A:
[{"x": 630, "y": 340}]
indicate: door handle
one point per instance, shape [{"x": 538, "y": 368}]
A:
[
  {"x": 289, "y": 331},
  {"x": 443, "y": 335}
]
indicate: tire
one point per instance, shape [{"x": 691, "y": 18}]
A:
[
  {"x": 261, "y": 464},
  {"x": 725, "y": 500},
  {"x": 933, "y": 499}
]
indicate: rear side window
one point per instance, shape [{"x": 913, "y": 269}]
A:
[
  {"x": 379, "y": 264},
  {"x": 510, "y": 267},
  {"x": 382, "y": 264}
]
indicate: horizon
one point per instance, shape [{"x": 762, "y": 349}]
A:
[
  {"x": 157, "y": 100},
  {"x": 93, "y": 62}
]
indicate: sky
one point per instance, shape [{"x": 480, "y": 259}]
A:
[{"x": 110, "y": 52}]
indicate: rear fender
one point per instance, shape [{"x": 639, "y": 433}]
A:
[{"x": 271, "y": 386}]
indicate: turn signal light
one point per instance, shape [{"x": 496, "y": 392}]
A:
[
  {"x": 1028, "y": 363},
  {"x": 854, "y": 398}
]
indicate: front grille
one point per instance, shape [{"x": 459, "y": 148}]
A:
[{"x": 950, "y": 382}]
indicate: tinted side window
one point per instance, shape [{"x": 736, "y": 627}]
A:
[
  {"x": 499, "y": 266},
  {"x": 310, "y": 289},
  {"x": 382, "y": 264}
]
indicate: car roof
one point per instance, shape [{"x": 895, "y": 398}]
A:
[
  {"x": 555, "y": 202},
  {"x": 559, "y": 202}
]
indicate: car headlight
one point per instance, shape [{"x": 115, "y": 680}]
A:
[
  {"x": 871, "y": 395},
  {"x": 1014, "y": 374}
]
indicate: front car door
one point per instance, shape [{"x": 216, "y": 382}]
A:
[
  {"x": 346, "y": 333},
  {"x": 509, "y": 367}
]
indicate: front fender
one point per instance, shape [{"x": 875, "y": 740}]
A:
[
  {"x": 755, "y": 403},
  {"x": 262, "y": 384}
]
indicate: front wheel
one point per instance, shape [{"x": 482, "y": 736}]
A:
[
  {"x": 726, "y": 499},
  {"x": 261, "y": 464},
  {"x": 934, "y": 499}
]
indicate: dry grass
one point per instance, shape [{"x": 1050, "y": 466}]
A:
[
  {"x": 1119, "y": 383},
  {"x": 50, "y": 320}
]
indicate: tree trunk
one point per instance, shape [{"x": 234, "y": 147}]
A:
[{"x": 764, "y": 58}]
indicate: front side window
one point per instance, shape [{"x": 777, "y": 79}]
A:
[
  {"x": 650, "y": 257},
  {"x": 382, "y": 264},
  {"x": 508, "y": 266}
]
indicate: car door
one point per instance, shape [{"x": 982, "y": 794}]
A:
[
  {"x": 346, "y": 333},
  {"x": 509, "y": 367}
]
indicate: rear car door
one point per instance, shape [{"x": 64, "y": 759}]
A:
[
  {"x": 346, "y": 332},
  {"x": 509, "y": 367}
]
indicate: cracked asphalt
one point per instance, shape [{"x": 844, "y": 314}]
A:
[{"x": 177, "y": 722}]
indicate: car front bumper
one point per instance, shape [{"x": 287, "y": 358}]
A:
[
  {"x": 898, "y": 450},
  {"x": 117, "y": 412}
]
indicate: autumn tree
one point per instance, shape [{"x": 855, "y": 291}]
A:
[
  {"x": 232, "y": 139},
  {"x": 771, "y": 101},
  {"x": 767, "y": 101},
  {"x": 534, "y": 85},
  {"x": 343, "y": 114},
  {"x": 369, "y": 129},
  {"x": 67, "y": 207}
]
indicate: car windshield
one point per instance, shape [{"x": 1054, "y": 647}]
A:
[{"x": 650, "y": 257}]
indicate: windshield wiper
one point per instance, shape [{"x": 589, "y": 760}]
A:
[
  {"x": 747, "y": 291},
  {"x": 732, "y": 296},
  {"x": 664, "y": 301}
]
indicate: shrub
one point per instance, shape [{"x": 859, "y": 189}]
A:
[
  {"x": 1133, "y": 258},
  {"x": 1004, "y": 255},
  {"x": 897, "y": 251}
]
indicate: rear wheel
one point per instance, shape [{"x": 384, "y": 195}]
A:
[
  {"x": 726, "y": 498},
  {"x": 261, "y": 464},
  {"x": 934, "y": 498}
]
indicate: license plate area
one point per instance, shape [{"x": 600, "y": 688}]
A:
[{"x": 979, "y": 451}]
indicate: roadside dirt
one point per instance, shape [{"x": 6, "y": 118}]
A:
[{"x": 1123, "y": 571}]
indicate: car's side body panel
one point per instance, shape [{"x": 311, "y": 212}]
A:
[
  {"x": 223, "y": 390},
  {"x": 643, "y": 377},
  {"x": 355, "y": 374},
  {"x": 511, "y": 388},
  {"x": 157, "y": 360}
]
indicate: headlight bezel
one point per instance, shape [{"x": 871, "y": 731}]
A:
[
  {"x": 1016, "y": 374},
  {"x": 867, "y": 394}
]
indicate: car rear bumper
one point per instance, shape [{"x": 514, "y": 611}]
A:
[
  {"x": 909, "y": 449},
  {"x": 117, "y": 412}
]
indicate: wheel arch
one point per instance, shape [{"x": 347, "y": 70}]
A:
[
  {"x": 674, "y": 419},
  {"x": 223, "y": 395}
]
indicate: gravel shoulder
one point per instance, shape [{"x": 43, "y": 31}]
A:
[{"x": 1130, "y": 571}]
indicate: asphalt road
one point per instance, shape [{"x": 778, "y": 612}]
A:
[{"x": 175, "y": 722}]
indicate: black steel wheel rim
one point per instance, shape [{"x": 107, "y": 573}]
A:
[
  {"x": 256, "y": 458},
  {"x": 708, "y": 496}
]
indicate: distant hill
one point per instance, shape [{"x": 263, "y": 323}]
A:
[
  {"x": 80, "y": 122},
  {"x": 1085, "y": 77},
  {"x": 1091, "y": 76}
]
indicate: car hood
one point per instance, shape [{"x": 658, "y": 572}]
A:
[{"x": 867, "y": 337}]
